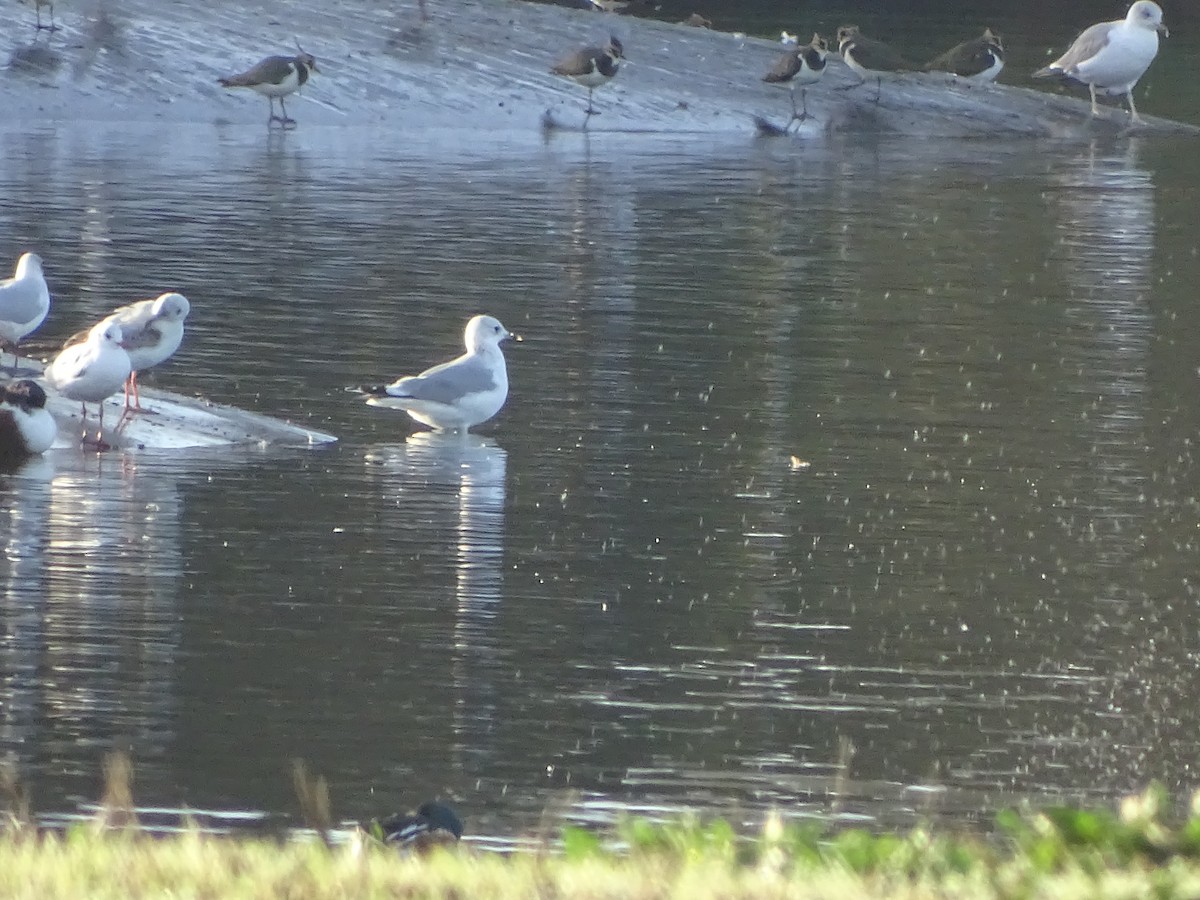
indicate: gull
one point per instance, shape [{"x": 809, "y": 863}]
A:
[
  {"x": 800, "y": 66},
  {"x": 276, "y": 76},
  {"x": 977, "y": 60},
  {"x": 1112, "y": 56},
  {"x": 91, "y": 371},
  {"x": 591, "y": 67},
  {"x": 458, "y": 394},
  {"x": 26, "y": 427},
  {"x": 24, "y": 302},
  {"x": 151, "y": 331}
]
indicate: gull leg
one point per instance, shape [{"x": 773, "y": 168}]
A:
[
  {"x": 878, "y": 87},
  {"x": 1133, "y": 113},
  {"x": 1095, "y": 109}
]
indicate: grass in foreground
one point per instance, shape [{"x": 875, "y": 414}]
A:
[{"x": 1057, "y": 853}]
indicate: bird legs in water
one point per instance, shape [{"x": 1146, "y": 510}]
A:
[
  {"x": 37, "y": 6},
  {"x": 801, "y": 114},
  {"x": 284, "y": 120},
  {"x": 1134, "y": 118}
]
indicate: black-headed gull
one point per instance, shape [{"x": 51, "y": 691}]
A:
[
  {"x": 459, "y": 394},
  {"x": 1112, "y": 56},
  {"x": 151, "y": 330},
  {"x": 91, "y": 371},
  {"x": 24, "y": 301}
]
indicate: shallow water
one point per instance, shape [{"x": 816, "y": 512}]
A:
[{"x": 852, "y": 478}]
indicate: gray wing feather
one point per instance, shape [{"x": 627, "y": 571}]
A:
[
  {"x": 447, "y": 383},
  {"x": 1087, "y": 45},
  {"x": 19, "y": 302}
]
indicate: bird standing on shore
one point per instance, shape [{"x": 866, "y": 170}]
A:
[
  {"x": 151, "y": 331},
  {"x": 868, "y": 56},
  {"x": 433, "y": 824},
  {"x": 91, "y": 372},
  {"x": 459, "y": 394},
  {"x": 979, "y": 60},
  {"x": 26, "y": 428},
  {"x": 800, "y": 66},
  {"x": 24, "y": 302},
  {"x": 591, "y": 67},
  {"x": 276, "y": 77},
  {"x": 1112, "y": 56}
]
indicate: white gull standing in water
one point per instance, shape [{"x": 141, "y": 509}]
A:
[
  {"x": 459, "y": 394},
  {"x": 91, "y": 371},
  {"x": 1112, "y": 56},
  {"x": 24, "y": 301}
]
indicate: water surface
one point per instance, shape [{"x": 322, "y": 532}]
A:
[{"x": 853, "y": 478}]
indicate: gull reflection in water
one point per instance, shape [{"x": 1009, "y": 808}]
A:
[
  {"x": 453, "y": 485},
  {"x": 88, "y": 588}
]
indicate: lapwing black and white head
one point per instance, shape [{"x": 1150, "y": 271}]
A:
[
  {"x": 591, "y": 67},
  {"x": 275, "y": 78},
  {"x": 800, "y": 66},
  {"x": 867, "y": 56},
  {"x": 26, "y": 427},
  {"x": 1110, "y": 57},
  {"x": 978, "y": 60}
]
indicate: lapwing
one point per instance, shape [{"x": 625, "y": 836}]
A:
[
  {"x": 591, "y": 67},
  {"x": 276, "y": 77},
  {"x": 868, "y": 56},
  {"x": 1110, "y": 57},
  {"x": 91, "y": 372},
  {"x": 978, "y": 60},
  {"x": 26, "y": 427},
  {"x": 800, "y": 66},
  {"x": 434, "y": 824},
  {"x": 24, "y": 302}
]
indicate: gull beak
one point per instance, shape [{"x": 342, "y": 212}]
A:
[{"x": 1162, "y": 28}]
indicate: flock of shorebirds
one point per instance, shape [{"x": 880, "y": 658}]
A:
[
  {"x": 1108, "y": 57},
  {"x": 96, "y": 363}
]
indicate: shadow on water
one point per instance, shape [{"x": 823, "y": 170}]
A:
[{"x": 809, "y": 446}]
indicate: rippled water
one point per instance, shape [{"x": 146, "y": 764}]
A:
[{"x": 854, "y": 479}]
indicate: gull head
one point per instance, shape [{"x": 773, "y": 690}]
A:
[
  {"x": 1147, "y": 14},
  {"x": 29, "y": 264},
  {"x": 107, "y": 332},
  {"x": 484, "y": 332},
  {"x": 172, "y": 307}
]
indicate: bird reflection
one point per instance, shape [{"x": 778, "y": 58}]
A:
[
  {"x": 453, "y": 484},
  {"x": 90, "y": 627}
]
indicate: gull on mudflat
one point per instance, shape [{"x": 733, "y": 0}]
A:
[
  {"x": 151, "y": 331},
  {"x": 1112, "y": 56},
  {"x": 459, "y": 394},
  {"x": 91, "y": 371},
  {"x": 24, "y": 301},
  {"x": 26, "y": 427}
]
